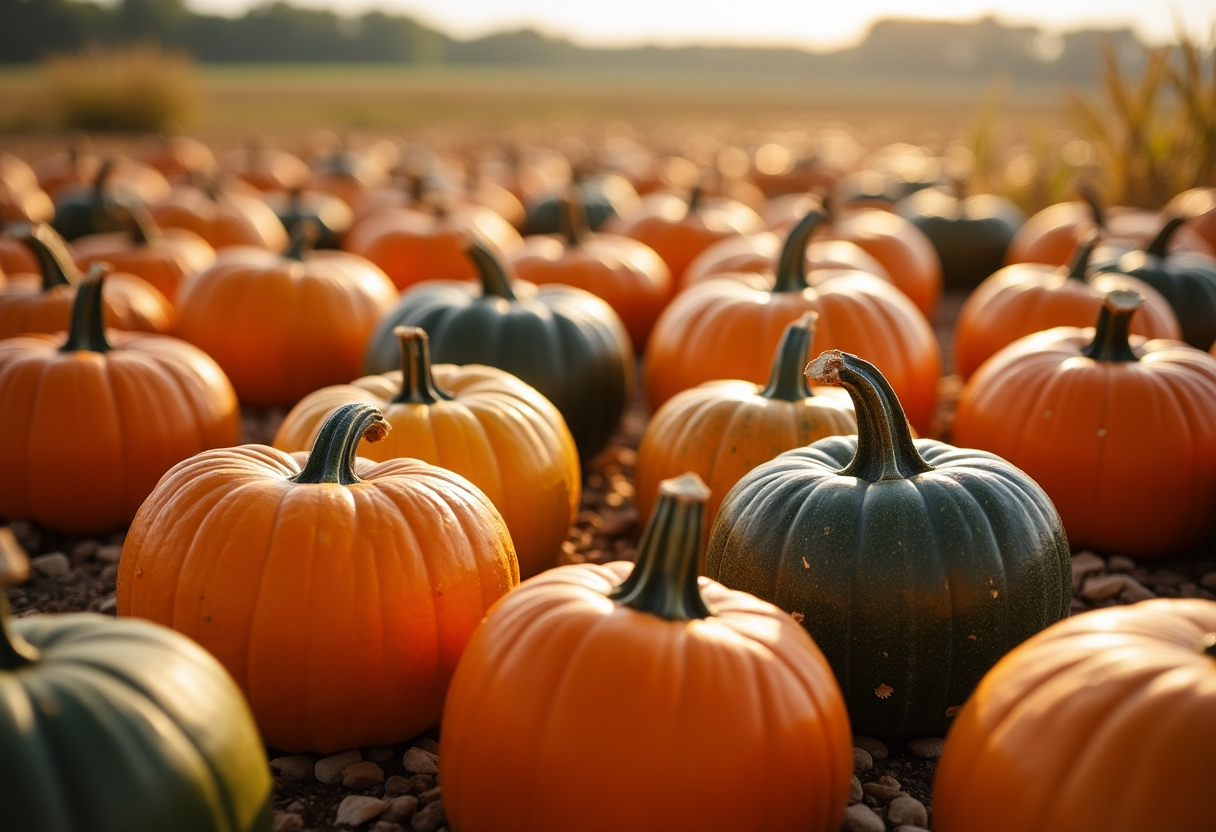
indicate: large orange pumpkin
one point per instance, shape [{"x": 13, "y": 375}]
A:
[
  {"x": 1105, "y": 722},
  {"x": 1120, "y": 432},
  {"x": 481, "y": 422},
  {"x": 731, "y": 701},
  {"x": 338, "y": 592},
  {"x": 89, "y": 424}
]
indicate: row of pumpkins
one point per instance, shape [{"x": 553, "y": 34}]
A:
[{"x": 344, "y": 612}]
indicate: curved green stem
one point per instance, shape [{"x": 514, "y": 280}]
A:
[
  {"x": 791, "y": 263},
  {"x": 15, "y": 652},
  {"x": 495, "y": 281},
  {"x": 885, "y": 450},
  {"x": 572, "y": 217},
  {"x": 417, "y": 380},
  {"x": 1159, "y": 247},
  {"x": 332, "y": 459},
  {"x": 1090, "y": 198},
  {"x": 144, "y": 229},
  {"x": 1078, "y": 267},
  {"x": 304, "y": 234},
  {"x": 101, "y": 179},
  {"x": 664, "y": 580},
  {"x": 786, "y": 381},
  {"x": 1110, "y": 341},
  {"x": 54, "y": 260},
  {"x": 695, "y": 197},
  {"x": 87, "y": 330}
]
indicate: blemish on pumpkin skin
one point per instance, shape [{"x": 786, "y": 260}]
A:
[
  {"x": 805, "y": 565},
  {"x": 797, "y": 616},
  {"x": 972, "y": 636},
  {"x": 206, "y": 619},
  {"x": 953, "y": 710},
  {"x": 993, "y": 592},
  {"x": 884, "y": 691}
]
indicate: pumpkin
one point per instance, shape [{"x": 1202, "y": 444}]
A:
[
  {"x": 73, "y": 173},
  {"x": 914, "y": 564},
  {"x": 730, "y": 329},
  {"x": 89, "y": 423},
  {"x": 602, "y": 197},
  {"x": 43, "y": 302},
  {"x": 222, "y": 216},
  {"x": 283, "y": 325},
  {"x": 176, "y": 155},
  {"x": 15, "y": 256},
  {"x": 1029, "y": 297},
  {"x": 1198, "y": 205},
  {"x": 265, "y": 168},
  {"x": 1187, "y": 279},
  {"x": 570, "y": 669},
  {"x": 21, "y": 199},
  {"x": 343, "y": 172},
  {"x": 338, "y": 592},
  {"x": 720, "y": 430},
  {"x": 120, "y": 725},
  {"x": 90, "y": 209},
  {"x": 482, "y": 423},
  {"x": 1118, "y": 430},
  {"x": 758, "y": 253},
  {"x": 332, "y": 216},
  {"x": 1102, "y": 723},
  {"x": 566, "y": 343},
  {"x": 625, "y": 273}
]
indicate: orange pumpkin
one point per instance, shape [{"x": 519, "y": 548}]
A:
[
  {"x": 734, "y": 700},
  {"x": 89, "y": 424},
  {"x": 1029, "y": 297},
  {"x": 15, "y": 256},
  {"x": 1104, "y": 722},
  {"x": 1117, "y": 430},
  {"x": 757, "y": 254},
  {"x": 222, "y": 216},
  {"x": 720, "y": 430},
  {"x": 266, "y": 168},
  {"x": 284, "y": 325},
  {"x": 338, "y": 592},
  {"x": 177, "y": 156},
  {"x": 625, "y": 273},
  {"x": 730, "y": 329},
  {"x": 21, "y": 199},
  {"x": 481, "y": 422},
  {"x": 1198, "y": 205}
]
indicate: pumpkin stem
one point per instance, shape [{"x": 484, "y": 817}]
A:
[
  {"x": 1090, "y": 197},
  {"x": 885, "y": 450},
  {"x": 1160, "y": 244},
  {"x": 786, "y": 381},
  {"x": 572, "y": 217},
  {"x": 304, "y": 234},
  {"x": 15, "y": 652},
  {"x": 143, "y": 226},
  {"x": 99, "y": 181},
  {"x": 1110, "y": 341},
  {"x": 54, "y": 261},
  {"x": 695, "y": 196},
  {"x": 1209, "y": 645},
  {"x": 87, "y": 330},
  {"x": 495, "y": 282},
  {"x": 791, "y": 264},
  {"x": 664, "y": 580},
  {"x": 417, "y": 381},
  {"x": 332, "y": 459},
  {"x": 1079, "y": 265}
]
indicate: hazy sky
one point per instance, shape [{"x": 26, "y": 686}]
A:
[{"x": 807, "y": 23}]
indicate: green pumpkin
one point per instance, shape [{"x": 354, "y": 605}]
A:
[
  {"x": 915, "y": 565},
  {"x": 565, "y": 342},
  {"x": 82, "y": 210},
  {"x": 121, "y": 725}
]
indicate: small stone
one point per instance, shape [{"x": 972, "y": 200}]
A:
[
  {"x": 84, "y": 551},
  {"x": 387, "y": 826},
  {"x": 426, "y": 744},
  {"x": 107, "y": 605},
  {"x": 1084, "y": 563},
  {"x": 1208, "y": 582},
  {"x": 430, "y": 796},
  {"x": 401, "y": 809},
  {"x": 888, "y": 780},
  {"x": 855, "y": 792},
  {"x": 109, "y": 573},
  {"x": 861, "y": 818},
  {"x": 1165, "y": 579},
  {"x": 358, "y": 809},
  {"x": 907, "y": 811},
  {"x": 1188, "y": 590},
  {"x": 429, "y": 818},
  {"x": 362, "y": 775},
  {"x": 1134, "y": 591},
  {"x": 1100, "y": 587},
  {"x": 876, "y": 748},
  {"x": 420, "y": 783},
  {"x": 378, "y": 753},
  {"x": 862, "y": 761},
  {"x": 296, "y": 806},
  {"x": 420, "y": 761},
  {"x": 884, "y": 794},
  {"x": 110, "y": 553},
  {"x": 53, "y": 565},
  {"x": 329, "y": 769},
  {"x": 1120, "y": 563},
  {"x": 295, "y": 767},
  {"x": 397, "y": 785},
  {"x": 286, "y": 822},
  {"x": 927, "y": 748}
]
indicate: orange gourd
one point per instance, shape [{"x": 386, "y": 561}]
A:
[
  {"x": 481, "y": 422},
  {"x": 567, "y": 672},
  {"x": 757, "y": 254},
  {"x": 338, "y": 592},
  {"x": 222, "y": 216}
]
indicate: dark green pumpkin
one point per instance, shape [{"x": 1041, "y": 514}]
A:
[
  {"x": 915, "y": 565},
  {"x": 125, "y": 725},
  {"x": 565, "y": 342},
  {"x": 92, "y": 209}
]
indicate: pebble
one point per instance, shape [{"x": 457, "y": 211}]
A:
[
  {"x": 329, "y": 769},
  {"x": 401, "y": 809},
  {"x": 110, "y": 553},
  {"x": 861, "y": 818},
  {"x": 397, "y": 785},
  {"x": 84, "y": 551},
  {"x": 1101, "y": 587},
  {"x": 53, "y": 565},
  {"x": 286, "y": 822},
  {"x": 1134, "y": 591},
  {"x": 109, "y": 573},
  {"x": 430, "y": 796},
  {"x": 358, "y": 809},
  {"x": 426, "y": 744},
  {"x": 421, "y": 761},
  {"x": 296, "y": 806},
  {"x": 378, "y": 753},
  {"x": 429, "y": 818},
  {"x": 876, "y": 748},
  {"x": 1083, "y": 563},
  {"x": 1208, "y": 581},
  {"x": 362, "y": 775},
  {"x": 862, "y": 761},
  {"x": 295, "y": 767},
  {"x": 927, "y": 748},
  {"x": 906, "y": 810},
  {"x": 1164, "y": 579},
  {"x": 1120, "y": 563},
  {"x": 907, "y": 828},
  {"x": 855, "y": 793},
  {"x": 387, "y": 826},
  {"x": 881, "y": 792}
]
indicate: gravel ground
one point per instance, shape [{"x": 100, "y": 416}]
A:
[{"x": 392, "y": 789}]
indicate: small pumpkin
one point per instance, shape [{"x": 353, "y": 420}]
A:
[
  {"x": 332, "y": 216},
  {"x": 88, "y": 424},
  {"x": 1118, "y": 430},
  {"x": 91, "y": 209},
  {"x": 758, "y": 254},
  {"x": 732, "y": 696},
  {"x": 481, "y": 422},
  {"x": 338, "y": 592},
  {"x": 1094, "y": 724},
  {"x": 120, "y": 725},
  {"x": 176, "y": 155},
  {"x": 1198, "y": 205},
  {"x": 223, "y": 216},
  {"x": 265, "y": 168},
  {"x": 914, "y": 564},
  {"x": 21, "y": 198}
]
